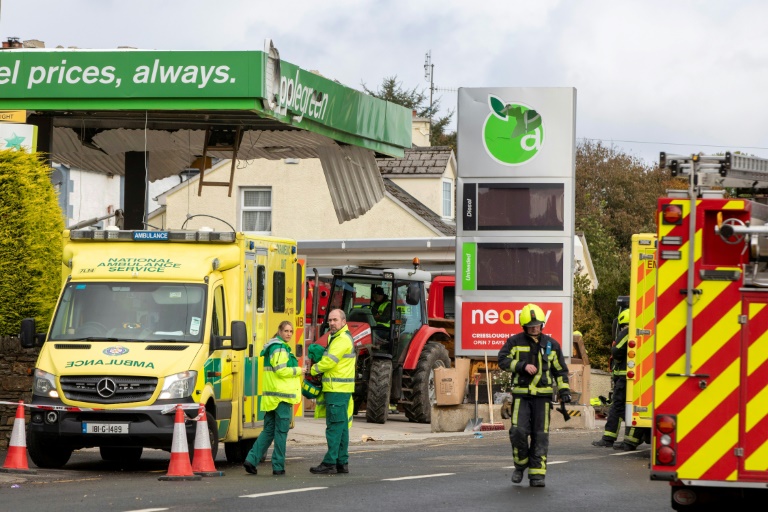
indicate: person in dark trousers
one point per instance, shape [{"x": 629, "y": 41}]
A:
[
  {"x": 538, "y": 368},
  {"x": 282, "y": 389},
  {"x": 338, "y": 368},
  {"x": 619, "y": 376}
]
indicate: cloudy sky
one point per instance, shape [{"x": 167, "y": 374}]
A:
[{"x": 680, "y": 76}]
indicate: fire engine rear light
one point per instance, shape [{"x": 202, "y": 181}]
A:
[
  {"x": 671, "y": 255},
  {"x": 630, "y": 375},
  {"x": 632, "y": 344},
  {"x": 665, "y": 456},
  {"x": 672, "y": 214},
  {"x": 631, "y": 353},
  {"x": 666, "y": 423}
]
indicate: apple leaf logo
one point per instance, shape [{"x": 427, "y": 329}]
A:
[{"x": 513, "y": 133}]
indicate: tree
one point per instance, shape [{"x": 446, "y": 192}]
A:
[
  {"x": 30, "y": 241},
  {"x": 392, "y": 90},
  {"x": 616, "y": 197}
]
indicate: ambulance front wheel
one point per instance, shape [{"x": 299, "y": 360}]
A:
[{"x": 48, "y": 455}]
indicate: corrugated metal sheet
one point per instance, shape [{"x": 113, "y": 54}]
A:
[
  {"x": 172, "y": 152},
  {"x": 353, "y": 179}
]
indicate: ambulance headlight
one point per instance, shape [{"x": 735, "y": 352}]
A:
[
  {"x": 180, "y": 385},
  {"x": 44, "y": 384}
]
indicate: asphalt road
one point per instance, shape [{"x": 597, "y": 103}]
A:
[{"x": 430, "y": 473}]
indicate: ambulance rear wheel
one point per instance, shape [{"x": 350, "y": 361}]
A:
[
  {"x": 121, "y": 453},
  {"x": 379, "y": 386},
  {"x": 47, "y": 455},
  {"x": 237, "y": 452}
]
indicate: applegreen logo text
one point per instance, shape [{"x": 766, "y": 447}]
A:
[{"x": 513, "y": 133}]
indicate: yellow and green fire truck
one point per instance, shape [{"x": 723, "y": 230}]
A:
[{"x": 147, "y": 320}]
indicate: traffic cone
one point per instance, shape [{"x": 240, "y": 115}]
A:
[
  {"x": 202, "y": 461},
  {"x": 180, "y": 467},
  {"x": 16, "y": 460}
]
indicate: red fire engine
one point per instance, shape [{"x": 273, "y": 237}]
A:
[{"x": 710, "y": 398}]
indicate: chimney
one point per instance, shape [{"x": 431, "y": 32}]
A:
[{"x": 12, "y": 42}]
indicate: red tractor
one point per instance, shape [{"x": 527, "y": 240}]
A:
[{"x": 397, "y": 349}]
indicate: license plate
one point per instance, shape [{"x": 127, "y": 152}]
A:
[{"x": 105, "y": 428}]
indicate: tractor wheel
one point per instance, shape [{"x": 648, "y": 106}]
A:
[
  {"x": 422, "y": 394},
  {"x": 379, "y": 386}
]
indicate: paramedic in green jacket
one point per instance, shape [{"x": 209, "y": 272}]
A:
[
  {"x": 338, "y": 368},
  {"x": 281, "y": 390}
]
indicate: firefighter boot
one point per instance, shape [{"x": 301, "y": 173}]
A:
[
  {"x": 517, "y": 476},
  {"x": 536, "y": 482},
  {"x": 603, "y": 442},
  {"x": 625, "y": 446}
]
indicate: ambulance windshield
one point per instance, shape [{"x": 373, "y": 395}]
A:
[{"x": 130, "y": 312}]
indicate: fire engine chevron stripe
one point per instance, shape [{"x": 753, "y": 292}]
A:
[{"x": 719, "y": 445}]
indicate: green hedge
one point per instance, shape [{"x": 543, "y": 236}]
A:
[{"x": 30, "y": 241}]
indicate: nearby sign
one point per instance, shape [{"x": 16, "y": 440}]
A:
[
  {"x": 487, "y": 325},
  {"x": 18, "y": 136},
  {"x": 13, "y": 116}
]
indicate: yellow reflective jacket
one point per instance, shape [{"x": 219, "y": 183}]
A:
[
  {"x": 338, "y": 363},
  {"x": 282, "y": 375}
]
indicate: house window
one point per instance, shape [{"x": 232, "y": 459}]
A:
[
  {"x": 447, "y": 198},
  {"x": 257, "y": 210}
]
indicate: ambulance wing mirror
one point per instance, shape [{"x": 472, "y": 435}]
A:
[
  {"x": 28, "y": 337},
  {"x": 239, "y": 335},
  {"x": 239, "y": 339}
]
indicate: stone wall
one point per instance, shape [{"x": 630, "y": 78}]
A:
[{"x": 16, "y": 366}]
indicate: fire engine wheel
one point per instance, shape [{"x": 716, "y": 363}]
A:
[
  {"x": 422, "y": 387},
  {"x": 50, "y": 456},
  {"x": 121, "y": 453},
  {"x": 237, "y": 452},
  {"x": 379, "y": 386},
  {"x": 213, "y": 437}
]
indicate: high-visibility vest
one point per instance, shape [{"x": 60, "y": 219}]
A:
[
  {"x": 380, "y": 311},
  {"x": 282, "y": 375},
  {"x": 338, "y": 363}
]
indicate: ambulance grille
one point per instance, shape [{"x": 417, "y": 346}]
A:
[
  {"x": 102, "y": 389},
  {"x": 166, "y": 347},
  {"x": 72, "y": 346}
]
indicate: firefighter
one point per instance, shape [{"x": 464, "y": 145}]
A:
[
  {"x": 619, "y": 376},
  {"x": 338, "y": 368},
  {"x": 538, "y": 367},
  {"x": 282, "y": 389}
]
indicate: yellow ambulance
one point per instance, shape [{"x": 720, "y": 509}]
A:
[{"x": 150, "y": 319}]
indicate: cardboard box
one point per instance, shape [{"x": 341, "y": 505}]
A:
[
  {"x": 579, "y": 381},
  {"x": 451, "y": 383}
]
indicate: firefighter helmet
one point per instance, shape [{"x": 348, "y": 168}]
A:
[
  {"x": 531, "y": 315},
  {"x": 624, "y": 317}
]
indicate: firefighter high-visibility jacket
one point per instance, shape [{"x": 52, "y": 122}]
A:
[
  {"x": 619, "y": 353},
  {"x": 338, "y": 363},
  {"x": 282, "y": 375},
  {"x": 546, "y": 355}
]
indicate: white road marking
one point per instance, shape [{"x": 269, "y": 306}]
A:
[
  {"x": 289, "y": 491},
  {"x": 148, "y": 510},
  {"x": 549, "y": 463},
  {"x": 416, "y": 477},
  {"x": 631, "y": 451}
]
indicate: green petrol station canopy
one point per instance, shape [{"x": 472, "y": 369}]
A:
[
  {"x": 97, "y": 106},
  {"x": 239, "y": 82}
]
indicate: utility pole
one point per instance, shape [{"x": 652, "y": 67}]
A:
[{"x": 429, "y": 76}]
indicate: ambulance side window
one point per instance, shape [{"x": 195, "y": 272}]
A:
[
  {"x": 261, "y": 275},
  {"x": 219, "y": 317},
  {"x": 278, "y": 292}
]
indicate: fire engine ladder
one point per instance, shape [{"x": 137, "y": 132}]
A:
[
  {"x": 213, "y": 141},
  {"x": 728, "y": 170}
]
